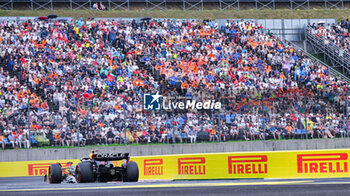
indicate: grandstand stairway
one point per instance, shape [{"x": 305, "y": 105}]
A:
[
  {"x": 142, "y": 65},
  {"x": 52, "y": 106}
]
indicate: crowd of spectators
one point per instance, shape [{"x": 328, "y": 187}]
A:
[
  {"x": 96, "y": 72},
  {"x": 336, "y": 33}
]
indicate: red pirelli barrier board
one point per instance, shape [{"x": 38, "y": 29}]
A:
[{"x": 278, "y": 164}]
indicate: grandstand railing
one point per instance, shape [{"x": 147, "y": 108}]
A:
[
  {"x": 336, "y": 56},
  {"x": 165, "y": 4},
  {"x": 314, "y": 59}
]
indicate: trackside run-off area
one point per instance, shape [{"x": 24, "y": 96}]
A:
[{"x": 36, "y": 186}]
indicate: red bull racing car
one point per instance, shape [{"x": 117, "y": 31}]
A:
[{"x": 98, "y": 167}]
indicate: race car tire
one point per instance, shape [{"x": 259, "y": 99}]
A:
[
  {"x": 55, "y": 174},
  {"x": 83, "y": 173},
  {"x": 132, "y": 172}
]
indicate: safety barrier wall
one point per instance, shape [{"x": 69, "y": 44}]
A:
[
  {"x": 279, "y": 164},
  {"x": 150, "y": 150}
]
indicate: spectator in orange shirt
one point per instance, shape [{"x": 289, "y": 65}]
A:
[
  {"x": 289, "y": 131},
  {"x": 2, "y": 141}
]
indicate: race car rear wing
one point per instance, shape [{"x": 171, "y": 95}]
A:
[
  {"x": 109, "y": 157},
  {"x": 112, "y": 156}
]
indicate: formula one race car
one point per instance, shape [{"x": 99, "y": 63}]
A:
[{"x": 98, "y": 167}]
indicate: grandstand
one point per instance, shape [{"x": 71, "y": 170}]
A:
[{"x": 68, "y": 81}]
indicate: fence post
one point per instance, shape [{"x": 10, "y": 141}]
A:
[
  {"x": 77, "y": 124},
  {"x": 173, "y": 129},
  {"x": 125, "y": 137},
  {"x": 305, "y": 96},
  {"x": 263, "y": 115},
  {"x": 29, "y": 114},
  {"x": 219, "y": 120},
  {"x": 347, "y": 112}
]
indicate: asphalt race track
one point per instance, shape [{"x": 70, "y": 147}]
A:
[{"x": 36, "y": 186}]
